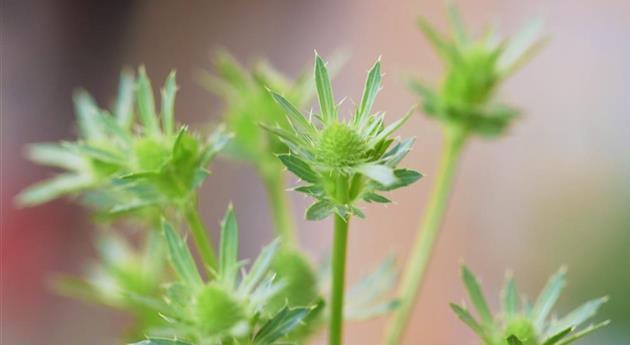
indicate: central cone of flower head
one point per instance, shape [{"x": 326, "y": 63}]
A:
[
  {"x": 523, "y": 329},
  {"x": 340, "y": 146}
]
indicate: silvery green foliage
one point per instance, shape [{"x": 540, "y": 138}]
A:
[
  {"x": 340, "y": 161},
  {"x": 125, "y": 163},
  {"x": 529, "y": 324},
  {"x": 474, "y": 70},
  {"x": 231, "y": 307}
]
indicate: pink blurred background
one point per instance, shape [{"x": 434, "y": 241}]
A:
[{"x": 555, "y": 190}]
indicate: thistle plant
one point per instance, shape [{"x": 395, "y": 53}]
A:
[
  {"x": 225, "y": 309},
  {"x": 342, "y": 162},
  {"x": 465, "y": 104},
  {"x": 530, "y": 324}
]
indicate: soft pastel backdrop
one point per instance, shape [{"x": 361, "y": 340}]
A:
[{"x": 555, "y": 190}]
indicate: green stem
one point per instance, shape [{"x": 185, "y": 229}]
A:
[
  {"x": 338, "y": 279},
  {"x": 200, "y": 236},
  {"x": 280, "y": 206},
  {"x": 425, "y": 240}
]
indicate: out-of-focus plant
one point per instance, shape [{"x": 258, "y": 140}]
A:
[
  {"x": 248, "y": 105},
  {"x": 342, "y": 162},
  {"x": 531, "y": 323},
  {"x": 225, "y": 309},
  {"x": 465, "y": 105},
  {"x": 121, "y": 278},
  {"x": 122, "y": 167}
]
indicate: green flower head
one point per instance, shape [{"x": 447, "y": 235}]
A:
[
  {"x": 232, "y": 305},
  {"x": 529, "y": 324},
  {"x": 474, "y": 71},
  {"x": 119, "y": 164},
  {"x": 340, "y": 161}
]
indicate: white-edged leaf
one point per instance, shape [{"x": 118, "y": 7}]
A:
[
  {"x": 124, "y": 102},
  {"x": 324, "y": 91},
  {"x": 55, "y": 155},
  {"x": 52, "y": 188},
  {"x": 371, "y": 89},
  {"x": 168, "y": 104},
  {"x": 476, "y": 296},
  {"x": 228, "y": 256},
  {"x": 180, "y": 257},
  {"x": 146, "y": 104},
  {"x": 548, "y": 298}
]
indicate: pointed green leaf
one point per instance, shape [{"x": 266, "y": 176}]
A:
[
  {"x": 327, "y": 104},
  {"x": 124, "y": 103},
  {"x": 146, "y": 104},
  {"x": 55, "y": 155},
  {"x": 53, "y": 188},
  {"x": 457, "y": 25},
  {"x": 393, "y": 127},
  {"x": 259, "y": 268},
  {"x": 295, "y": 117},
  {"x": 578, "y": 335},
  {"x": 168, "y": 104},
  {"x": 299, "y": 168},
  {"x": 372, "y": 87},
  {"x": 548, "y": 298},
  {"x": 558, "y": 336},
  {"x": 509, "y": 297},
  {"x": 578, "y": 316},
  {"x": 470, "y": 321},
  {"x": 180, "y": 257},
  {"x": 373, "y": 197},
  {"x": 280, "y": 325},
  {"x": 87, "y": 113},
  {"x": 476, "y": 296},
  {"x": 443, "y": 48},
  {"x": 522, "y": 47},
  {"x": 228, "y": 260},
  {"x": 320, "y": 210}
]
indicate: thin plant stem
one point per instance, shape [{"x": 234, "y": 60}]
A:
[
  {"x": 200, "y": 236},
  {"x": 273, "y": 179},
  {"x": 338, "y": 279},
  {"x": 425, "y": 240}
]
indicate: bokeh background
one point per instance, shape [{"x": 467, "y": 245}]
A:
[{"x": 555, "y": 190}]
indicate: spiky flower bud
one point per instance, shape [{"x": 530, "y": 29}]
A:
[
  {"x": 474, "y": 70},
  {"x": 530, "y": 324},
  {"x": 120, "y": 166},
  {"x": 343, "y": 161}
]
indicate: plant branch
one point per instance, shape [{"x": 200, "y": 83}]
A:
[
  {"x": 338, "y": 279},
  {"x": 284, "y": 226},
  {"x": 427, "y": 233},
  {"x": 200, "y": 235}
]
